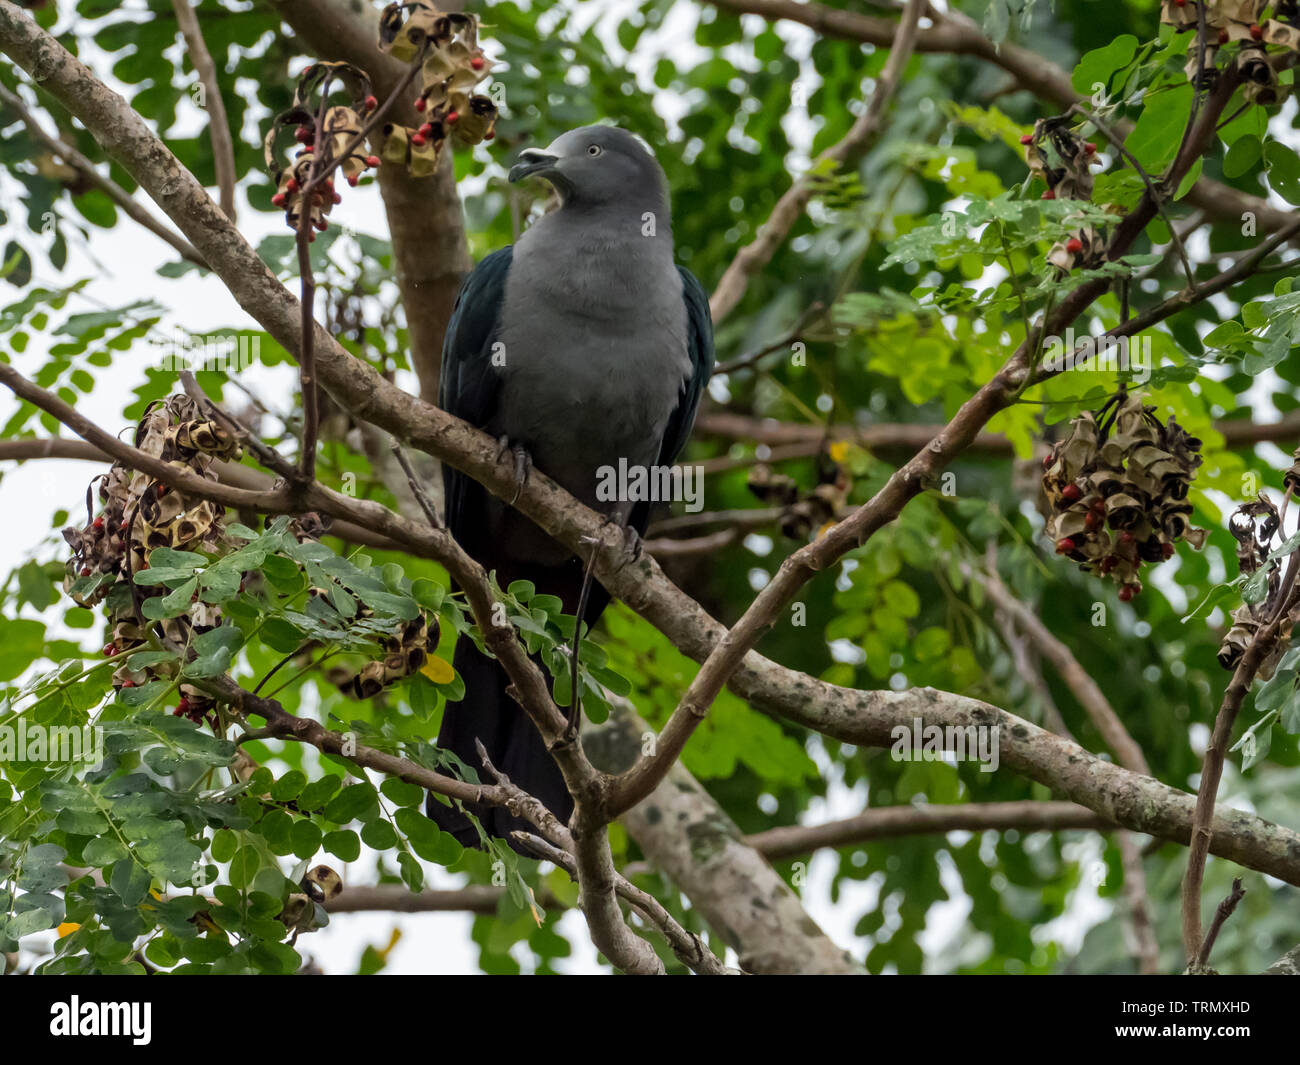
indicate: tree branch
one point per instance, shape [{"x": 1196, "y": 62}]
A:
[
  {"x": 753, "y": 257},
  {"x": 223, "y": 147}
]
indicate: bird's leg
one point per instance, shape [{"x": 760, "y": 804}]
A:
[
  {"x": 523, "y": 463},
  {"x": 632, "y": 541}
]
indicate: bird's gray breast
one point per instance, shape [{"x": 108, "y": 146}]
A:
[{"x": 594, "y": 350}]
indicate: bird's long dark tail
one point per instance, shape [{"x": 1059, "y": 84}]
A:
[{"x": 513, "y": 745}]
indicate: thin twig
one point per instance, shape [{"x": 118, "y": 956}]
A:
[
  {"x": 223, "y": 147},
  {"x": 111, "y": 189}
]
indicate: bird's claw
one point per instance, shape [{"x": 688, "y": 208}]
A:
[{"x": 522, "y": 461}]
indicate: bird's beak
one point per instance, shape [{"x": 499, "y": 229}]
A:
[{"x": 532, "y": 161}]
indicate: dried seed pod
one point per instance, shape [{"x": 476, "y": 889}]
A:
[
  {"x": 1116, "y": 491},
  {"x": 322, "y": 884}
]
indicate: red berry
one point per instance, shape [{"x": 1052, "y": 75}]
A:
[
  {"x": 1167, "y": 550},
  {"x": 489, "y": 134},
  {"x": 1074, "y": 245},
  {"x": 417, "y": 139},
  {"x": 353, "y": 179},
  {"x": 86, "y": 571},
  {"x": 1071, "y": 492},
  {"x": 128, "y": 683},
  {"x": 110, "y": 649},
  {"x": 339, "y": 199},
  {"x": 1109, "y": 563},
  {"x": 321, "y": 224},
  {"x": 291, "y": 185},
  {"x": 1090, "y": 148},
  {"x": 1091, "y": 520},
  {"x": 303, "y": 135},
  {"x": 426, "y": 130},
  {"x": 1223, "y": 36},
  {"x": 1050, "y": 194},
  {"x": 476, "y": 63},
  {"x": 1181, "y": 3},
  {"x": 1064, "y": 545},
  {"x": 452, "y": 116},
  {"x": 371, "y": 103},
  {"x": 98, "y": 523},
  {"x": 372, "y": 160},
  {"x": 1047, "y": 460},
  {"x": 278, "y": 199},
  {"x": 1027, "y": 138},
  {"x": 162, "y": 491},
  {"x": 421, "y": 103},
  {"x": 1127, "y": 592},
  {"x": 1256, "y": 31},
  {"x": 124, "y": 526}
]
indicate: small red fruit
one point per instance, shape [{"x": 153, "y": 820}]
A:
[
  {"x": 1127, "y": 592},
  {"x": 336, "y": 197},
  {"x": 418, "y": 140},
  {"x": 162, "y": 491},
  {"x": 1047, "y": 460},
  {"x": 86, "y": 571},
  {"x": 421, "y": 103},
  {"x": 1256, "y": 31},
  {"x": 303, "y": 135},
  {"x": 1167, "y": 550},
  {"x": 1109, "y": 563},
  {"x": 1223, "y": 36},
  {"x": 124, "y": 526},
  {"x": 426, "y": 130},
  {"x": 1050, "y": 194},
  {"x": 278, "y": 199},
  {"x": 1064, "y": 545},
  {"x": 452, "y": 116},
  {"x": 1090, "y": 148},
  {"x": 489, "y": 135},
  {"x": 128, "y": 683},
  {"x": 1074, "y": 245},
  {"x": 1091, "y": 520},
  {"x": 372, "y": 160},
  {"x": 291, "y": 185},
  {"x": 1071, "y": 493},
  {"x": 1180, "y": 3},
  {"x": 1027, "y": 138},
  {"x": 353, "y": 179},
  {"x": 110, "y": 649},
  {"x": 371, "y": 103},
  {"x": 476, "y": 63},
  {"x": 98, "y": 523}
]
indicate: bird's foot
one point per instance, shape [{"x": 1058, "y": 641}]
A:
[
  {"x": 632, "y": 542},
  {"x": 522, "y": 461}
]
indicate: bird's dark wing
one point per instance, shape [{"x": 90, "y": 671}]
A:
[
  {"x": 468, "y": 385},
  {"x": 700, "y": 342}
]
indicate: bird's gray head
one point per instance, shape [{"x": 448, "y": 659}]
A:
[{"x": 595, "y": 165}]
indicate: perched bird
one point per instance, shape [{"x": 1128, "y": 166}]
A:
[{"x": 582, "y": 345}]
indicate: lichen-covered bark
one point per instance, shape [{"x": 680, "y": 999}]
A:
[{"x": 688, "y": 837}]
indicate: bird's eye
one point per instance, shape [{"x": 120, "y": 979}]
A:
[{"x": 593, "y": 149}]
